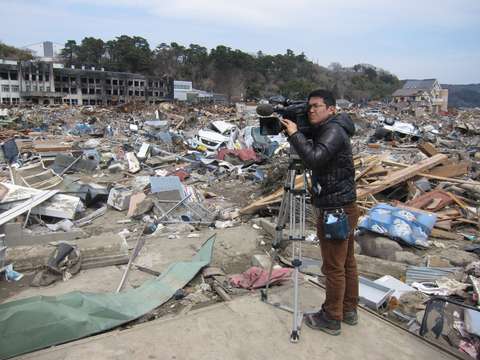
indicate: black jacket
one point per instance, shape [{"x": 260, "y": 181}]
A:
[{"x": 329, "y": 156}]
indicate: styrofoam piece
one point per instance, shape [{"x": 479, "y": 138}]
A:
[
  {"x": 398, "y": 286},
  {"x": 372, "y": 294}
]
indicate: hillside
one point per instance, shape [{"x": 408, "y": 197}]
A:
[{"x": 463, "y": 95}]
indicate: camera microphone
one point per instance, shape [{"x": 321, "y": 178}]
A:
[{"x": 265, "y": 109}]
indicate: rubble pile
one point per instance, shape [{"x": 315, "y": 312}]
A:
[{"x": 85, "y": 188}]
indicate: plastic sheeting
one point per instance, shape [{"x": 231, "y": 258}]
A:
[
  {"x": 41, "y": 321},
  {"x": 410, "y": 227}
]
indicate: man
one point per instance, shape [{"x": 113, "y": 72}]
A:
[{"x": 329, "y": 155}]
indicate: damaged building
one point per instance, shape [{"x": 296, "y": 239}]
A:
[
  {"x": 421, "y": 96},
  {"x": 46, "y": 83}
]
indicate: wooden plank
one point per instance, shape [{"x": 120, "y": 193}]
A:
[
  {"x": 442, "y": 234},
  {"x": 270, "y": 199},
  {"x": 399, "y": 176},
  {"x": 433, "y": 177},
  {"x": 450, "y": 170}
]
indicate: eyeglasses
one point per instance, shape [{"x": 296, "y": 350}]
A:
[{"x": 316, "y": 106}]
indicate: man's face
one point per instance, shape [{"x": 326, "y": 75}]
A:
[{"x": 318, "y": 111}]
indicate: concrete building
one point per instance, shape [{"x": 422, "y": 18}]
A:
[
  {"x": 421, "y": 96},
  {"x": 184, "y": 91},
  {"x": 41, "y": 82}
]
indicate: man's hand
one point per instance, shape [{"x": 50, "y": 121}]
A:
[{"x": 290, "y": 127}]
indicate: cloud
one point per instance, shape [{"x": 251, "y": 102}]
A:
[{"x": 405, "y": 37}]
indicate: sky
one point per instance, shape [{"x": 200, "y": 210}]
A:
[{"x": 411, "y": 39}]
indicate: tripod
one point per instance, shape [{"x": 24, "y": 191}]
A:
[{"x": 293, "y": 204}]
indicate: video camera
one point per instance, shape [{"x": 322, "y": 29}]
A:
[{"x": 296, "y": 111}]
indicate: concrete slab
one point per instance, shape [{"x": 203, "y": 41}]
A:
[
  {"x": 246, "y": 328},
  {"x": 232, "y": 246}
]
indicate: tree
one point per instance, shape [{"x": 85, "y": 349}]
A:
[
  {"x": 91, "y": 52},
  {"x": 69, "y": 53}
]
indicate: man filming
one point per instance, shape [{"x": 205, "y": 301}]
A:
[{"x": 329, "y": 155}]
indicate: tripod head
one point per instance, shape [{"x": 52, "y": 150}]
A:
[{"x": 294, "y": 162}]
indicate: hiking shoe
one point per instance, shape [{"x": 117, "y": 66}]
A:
[
  {"x": 320, "y": 321},
  {"x": 350, "y": 317}
]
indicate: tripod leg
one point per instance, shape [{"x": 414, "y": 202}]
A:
[
  {"x": 296, "y": 262},
  {"x": 281, "y": 220}
]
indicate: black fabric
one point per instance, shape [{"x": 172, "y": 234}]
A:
[{"x": 329, "y": 155}]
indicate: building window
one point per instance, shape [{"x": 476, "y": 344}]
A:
[
  {"x": 48, "y": 89},
  {"x": 98, "y": 91},
  {"x": 47, "y": 77},
  {"x": 120, "y": 83},
  {"x": 115, "y": 92},
  {"x": 65, "y": 90},
  {"x": 156, "y": 93},
  {"x": 57, "y": 78},
  {"x": 121, "y": 91},
  {"x": 108, "y": 81},
  {"x": 150, "y": 93},
  {"x": 5, "y": 100},
  {"x": 108, "y": 92},
  {"x": 4, "y": 75},
  {"x": 137, "y": 93},
  {"x": 40, "y": 88},
  {"x": 136, "y": 83},
  {"x": 34, "y": 77},
  {"x": 15, "y": 88},
  {"x": 56, "y": 90},
  {"x": 13, "y": 75},
  {"x": 15, "y": 100},
  {"x": 40, "y": 77},
  {"x": 84, "y": 91},
  {"x": 142, "y": 93},
  {"x": 115, "y": 82},
  {"x": 142, "y": 83},
  {"x": 5, "y": 88},
  {"x": 130, "y": 82},
  {"x": 84, "y": 80},
  {"x": 150, "y": 84},
  {"x": 130, "y": 93},
  {"x": 74, "y": 102}
]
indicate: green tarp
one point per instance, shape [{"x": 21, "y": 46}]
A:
[{"x": 41, "y": 321}]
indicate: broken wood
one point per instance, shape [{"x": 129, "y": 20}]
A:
[
  {"x": 270, "y": 199},
  {"x": 427, "y": 148},
  {"x": 221, "y": 292},
  {"x": 450, "y": 170},
  {"x": 401, "y": 175},
  {"x": 442, "y": 234}
]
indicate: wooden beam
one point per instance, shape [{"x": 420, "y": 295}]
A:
[{"x": 399, "y": 176}]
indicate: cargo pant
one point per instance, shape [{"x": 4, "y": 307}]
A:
[{"x": 339, "y": 267}]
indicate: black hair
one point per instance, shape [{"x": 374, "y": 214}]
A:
[{"x": 326, "y": 95}]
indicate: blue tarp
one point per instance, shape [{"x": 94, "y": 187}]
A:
[{"x": 408, "y": 226}]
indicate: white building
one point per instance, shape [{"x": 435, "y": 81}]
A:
[{"x": 184, "y": 91}]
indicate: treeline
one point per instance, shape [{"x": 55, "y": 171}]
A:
[
  {"x": 11, "y": 52},
  {"x": 231, "y": 71}
]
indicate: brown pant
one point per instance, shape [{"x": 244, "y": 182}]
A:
[{"x": 340, "y": 268}]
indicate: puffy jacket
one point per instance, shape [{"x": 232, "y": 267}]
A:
[{"x": 329, "y": 155}]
